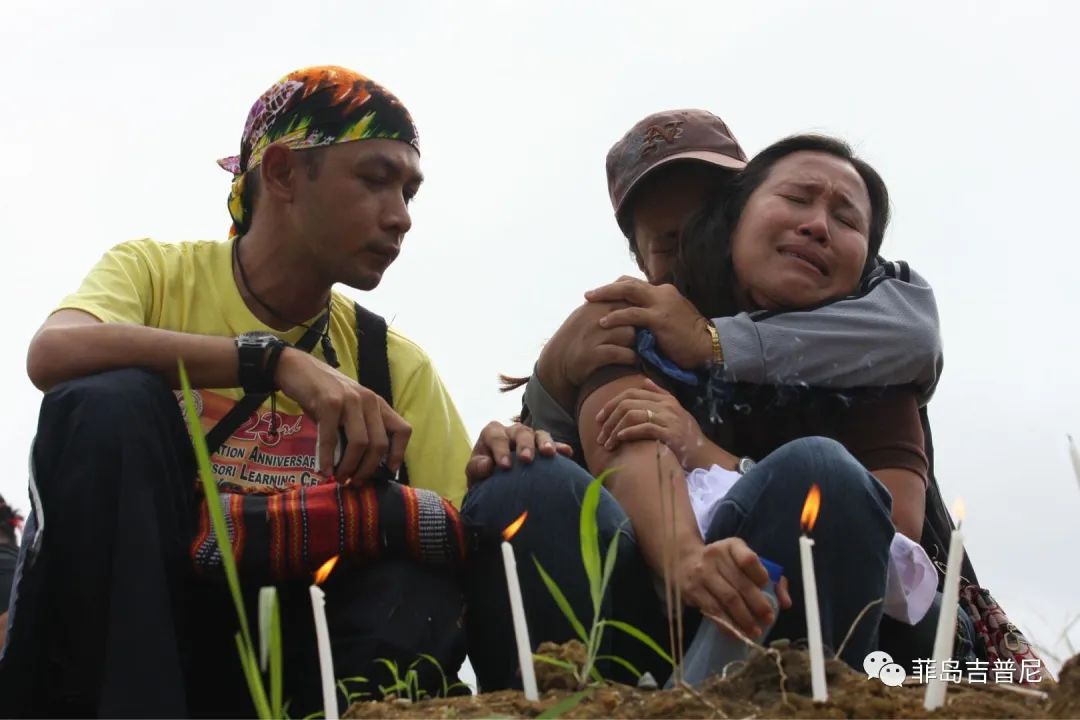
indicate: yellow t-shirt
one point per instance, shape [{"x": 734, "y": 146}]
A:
[{"x": 189, "y": 287}]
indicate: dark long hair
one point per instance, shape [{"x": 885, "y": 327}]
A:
[
  {"x": 9, "y": 520},
  {"x": 704, "y": 272}
]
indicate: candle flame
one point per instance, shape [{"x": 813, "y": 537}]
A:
[
  {"x": 958, "y": 510},
  {"x": 324, "y": 572},
  {"x": 512, "y": 529},
  {"x": 810, "y": 508}
]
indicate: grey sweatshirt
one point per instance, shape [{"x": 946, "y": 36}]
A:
[{"x": 886, "y": 334}]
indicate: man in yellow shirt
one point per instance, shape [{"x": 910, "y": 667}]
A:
[{"x": 325, "y": 445}]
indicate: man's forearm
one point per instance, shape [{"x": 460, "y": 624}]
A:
[{"x": 66, "y": 352}]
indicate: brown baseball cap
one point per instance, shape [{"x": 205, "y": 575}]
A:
[{"x": 662, "y": 138}]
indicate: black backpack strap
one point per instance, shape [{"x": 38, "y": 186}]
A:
[
  {"x": 373, "y": 362},
  {"x": 251, "y": 402}
]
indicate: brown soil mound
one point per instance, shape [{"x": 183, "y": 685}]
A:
[
  {"x": 776, "y": 684},
  {"x": 1065, "y": 697}
]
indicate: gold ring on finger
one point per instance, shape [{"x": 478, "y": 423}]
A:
[{"x": 649, "y": 415}]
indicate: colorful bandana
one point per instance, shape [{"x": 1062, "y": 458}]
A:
[{"x": 309, "y": 108}]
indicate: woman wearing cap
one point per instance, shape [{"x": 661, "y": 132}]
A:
[
  {"x": 801, "y": 225},
  {"x": 659, "y": 173}
]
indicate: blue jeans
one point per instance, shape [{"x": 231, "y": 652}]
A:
[{"x": 852, "y": 538}]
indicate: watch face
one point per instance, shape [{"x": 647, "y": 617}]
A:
[
  {"x": 257, "y": 338},
  {"x": 745, "y": 464}
]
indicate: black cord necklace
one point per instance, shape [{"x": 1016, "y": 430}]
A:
[{"x": 327, "y": 346}]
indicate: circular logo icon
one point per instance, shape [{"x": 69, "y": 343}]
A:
[
  {"x": 876, "y": 660},
  {"x": 893, "y": 675}
]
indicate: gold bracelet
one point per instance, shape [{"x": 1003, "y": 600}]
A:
[{"x": 714, "y": 335}]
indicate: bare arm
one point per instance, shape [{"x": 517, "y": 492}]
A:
[
  {"x": 908, "y": 492},
  {"x": 73, "y": 344},
  {"x": 640, "y": 469},
  {"x": 577, "y": 349},
  {"x": 724, "y": 578}
]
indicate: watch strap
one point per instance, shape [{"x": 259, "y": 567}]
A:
[{"x": 258, "y": 357}]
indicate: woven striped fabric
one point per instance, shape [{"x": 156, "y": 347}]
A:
[{"x": 289, "y": 535}]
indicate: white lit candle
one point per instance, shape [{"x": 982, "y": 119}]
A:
[
  {"x": 322, "y": 635},
  {"x": 517, "y": 611},
  {"x": 810, "y": 598},
  {"x": 946, "y": 626},
  {"x": 267, "y": 598}
]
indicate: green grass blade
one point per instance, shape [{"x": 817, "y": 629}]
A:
[
  {"x": 620, "y": 661},
  {"x": 564, "y": 664},
  {"x": 277, "y": 663},
  {"x": 438, "y": 666},
  {"x": 254, "y": 682},
  {"x": 393, "y": 668},
  {"x": 412, "y": 681},
  {"x": 561, "y": 601},
  {"x": 609, "y": 560},
  {"x": 564, "y": 706},
  {"x": 590, "y": 540},
  {"x": 213, "y": 501},
  {"x": 350, "y": 696},
  {"x": 635, "y": 633},
  {"x": 595, "y": 675}
]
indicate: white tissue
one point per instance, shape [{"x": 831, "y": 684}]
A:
[
  {"x": 707, "y": 488},
  {"x": 912, "y": 581}
]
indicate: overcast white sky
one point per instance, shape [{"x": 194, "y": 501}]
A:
[{"x": 114, "y": 112}]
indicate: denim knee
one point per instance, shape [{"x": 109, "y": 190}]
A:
[
  {"x": 844, "y": 482},
  {"x": 854, "y": 503},
  {"x": 551, "y": 490},
  {"x": 555, "y": 484}
]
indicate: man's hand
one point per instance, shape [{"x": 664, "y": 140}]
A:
[
  {"x": 725, "y": 579},
  {"x": 373, "y": 431},
  {"x": 578, "y": 348},
  {"x": 498, "y": 442},
  {"x": 651, "y": 413},
  {"x": 680, "y": 330}
]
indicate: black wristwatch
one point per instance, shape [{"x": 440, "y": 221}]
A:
[{"x": 258, "y": 354}]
